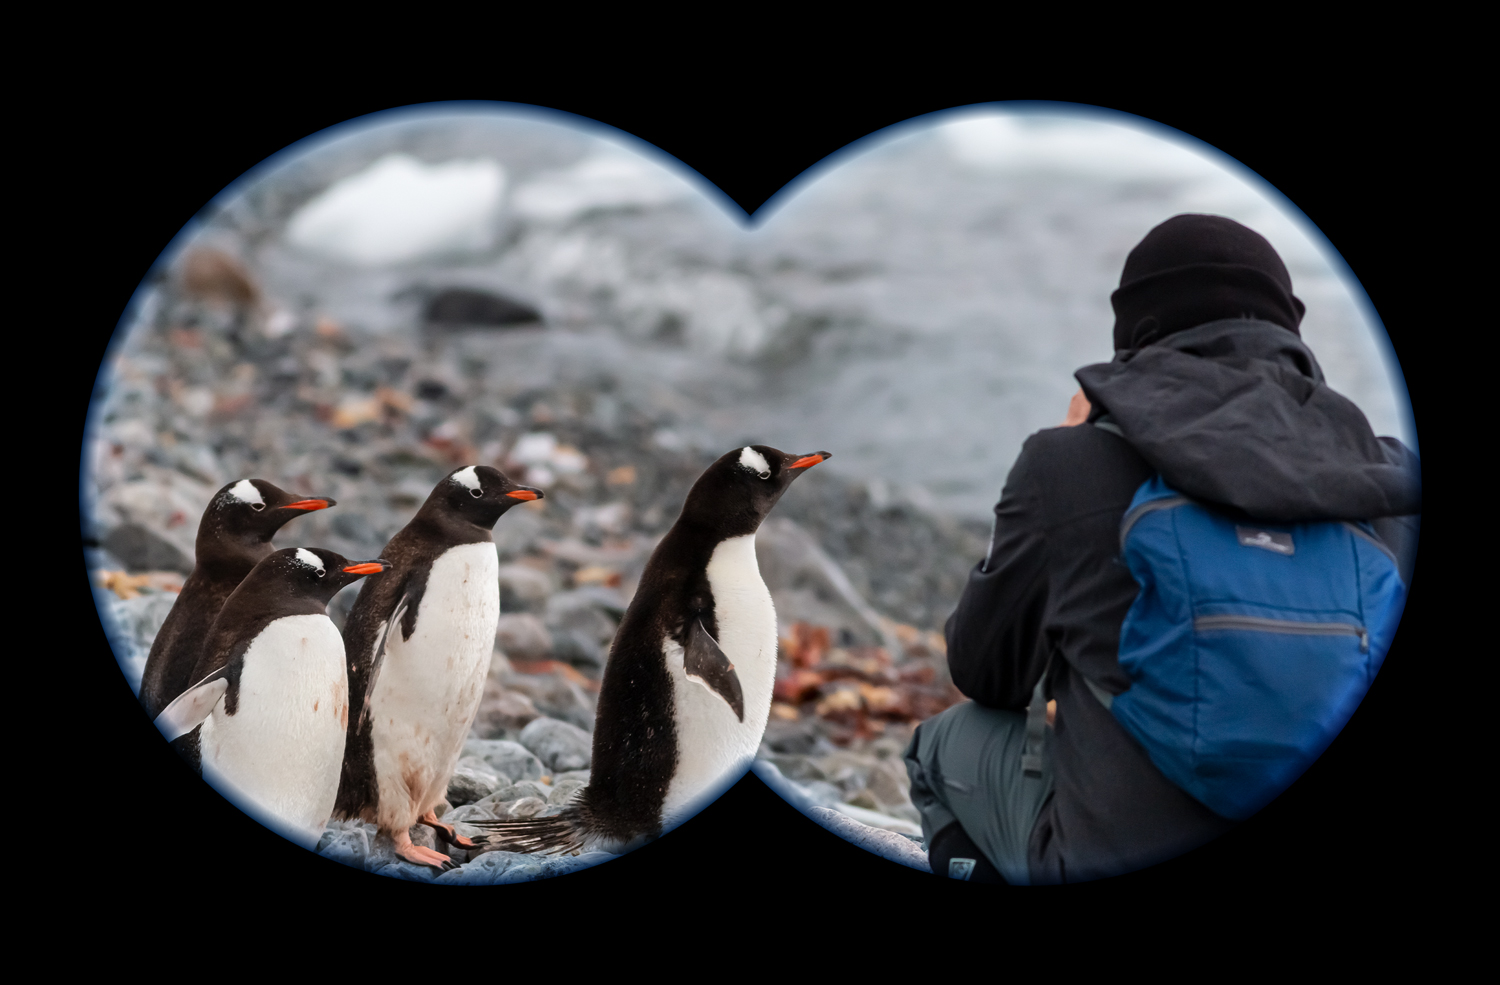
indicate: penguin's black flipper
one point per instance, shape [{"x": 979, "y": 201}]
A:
[
  {"x": 533, "y": 835},
  {"x": 188, "y": 710},
  {"x": 385, "y": 637},
  {"x": 708, "y": 665}
]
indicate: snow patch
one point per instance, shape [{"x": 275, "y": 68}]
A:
[
  {"x": 607, "y": 180},
  {"x": 399, "y": 209}
]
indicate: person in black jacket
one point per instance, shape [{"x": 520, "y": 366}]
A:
[{"x": 1212, "y": 387}]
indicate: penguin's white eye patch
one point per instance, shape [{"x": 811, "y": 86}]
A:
[
  {"x": 755, "y": 462},
  {"x": 304, "y": 556},
  {"x": 244, "y": 491},
  {"x": 469, "y": 479}
]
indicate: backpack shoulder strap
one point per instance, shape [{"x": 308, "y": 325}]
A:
[{"x": 1036, "y": 726}]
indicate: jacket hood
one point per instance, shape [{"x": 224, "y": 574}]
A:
[{"x": 1236, "y": 412}]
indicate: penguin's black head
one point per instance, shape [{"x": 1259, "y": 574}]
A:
[
  {"x": 312, "y": 572},
  {"x": 478, "y": 494},
  {"x": 254, "y": 509},
  {"x": 737, "y": 492}
]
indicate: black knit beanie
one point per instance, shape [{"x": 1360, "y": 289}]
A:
[{"x": 1194, "y": 269}]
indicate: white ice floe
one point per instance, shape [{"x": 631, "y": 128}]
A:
[
  {"x": 399, "y": 209},
  {"x": 611, "y": 179}
]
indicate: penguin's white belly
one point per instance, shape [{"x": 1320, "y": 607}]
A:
[
  {"x": 429, "y": 686},
  {"x": 278, "y": 755},
  {"x": 713, "y": 746}
]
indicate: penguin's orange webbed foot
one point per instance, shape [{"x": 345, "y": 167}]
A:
[
  {"x": 446, "y": 832},
  {"x": 418, "y": 855},
  {"x": 426, "y": 856}
]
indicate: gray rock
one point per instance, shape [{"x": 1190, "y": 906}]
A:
[
  {"x": 801, "y": 737},
  {"x": 470, "y": 812},
  {"x": 559, "y": 745},
  {"x": 527, "y": 807},
  {"x": 799, "y": 768},
  {"x": 347, "y": 842},
  {"x": 556, "y": 697},
  {"x": 142, "y": 549},
  {"x": 563, "y": 791},
  {"x": 531, "y": 788},
  {"x": 889, "y": 783},
  {"x": 503, "y": 713},
  {"x": 379, "y": 851},
  {"x": 592, "y": 612},
  {"x": 886, "y": 844},
  {"x": 508, "y": 759},
  {"x": 809, "y": 586},
  {"x": 356, "y": 527},
  {"x": 578, "y": 648},
  {"x": 502, "y": 868},
  {"x": 822, "y": 793},
  {"x": 522, "y": 635},
  {"x": 523, "y": 587},
  {"x": 460, "y": 817},
  {"x": 518, "y": 534},
  {"x": 132, "y": 625},
  {"x": 469, "y": 784},
  {"x": 503, "y": 794},
  {"x": 582, "y": 775},
  {"x": 849, "y": 777}
]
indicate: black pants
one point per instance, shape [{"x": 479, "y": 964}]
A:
[{"x": 965, "y": 767}]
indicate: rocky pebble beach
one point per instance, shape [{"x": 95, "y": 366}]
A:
[{"x": 238, "y": 362}]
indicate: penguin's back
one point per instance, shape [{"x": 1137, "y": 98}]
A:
[
  {"x": 714, "y": 746},
  {"x": 179, "y": 642},
  {"x": 281, "y": 750}
]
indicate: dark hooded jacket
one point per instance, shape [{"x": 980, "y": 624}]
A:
[{"x": 1234, "y": 413}]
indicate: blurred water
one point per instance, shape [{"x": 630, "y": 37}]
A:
[{"x": 916, "y": 305}]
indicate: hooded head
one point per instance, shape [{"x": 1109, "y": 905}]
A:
[{"x": 1194, "y": 269}]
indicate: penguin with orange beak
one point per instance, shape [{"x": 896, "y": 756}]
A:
[
  {"x": 233, "y": 536},
  {"x": 686, "y": 693},
  {"x": 419, "y": 641},
  {"x": 266, "y": 719}
]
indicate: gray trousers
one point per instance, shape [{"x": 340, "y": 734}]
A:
[{"x": 965, "y": 766}]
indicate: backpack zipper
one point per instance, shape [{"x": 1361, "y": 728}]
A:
[
  {"x": 1285, "y": 626},
  {"x": 1147, "y": 507}
]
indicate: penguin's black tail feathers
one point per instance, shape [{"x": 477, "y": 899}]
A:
[{"x": 555, "y": 835}]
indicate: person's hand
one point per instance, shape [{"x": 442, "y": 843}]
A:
[{"x": 1078, "y": 410}]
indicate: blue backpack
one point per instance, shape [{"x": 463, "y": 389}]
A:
[{"x": 1249, "y": 647}]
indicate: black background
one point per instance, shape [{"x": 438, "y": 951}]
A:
[{"x": 148, "y": 153}]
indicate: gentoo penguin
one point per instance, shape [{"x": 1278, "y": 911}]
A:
[
  {"x": 419, "y": 642},
  {"x": 687, "y": 688},
  {"x": 234, "y": 534},
  {"x": 267, "y": 717}
]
